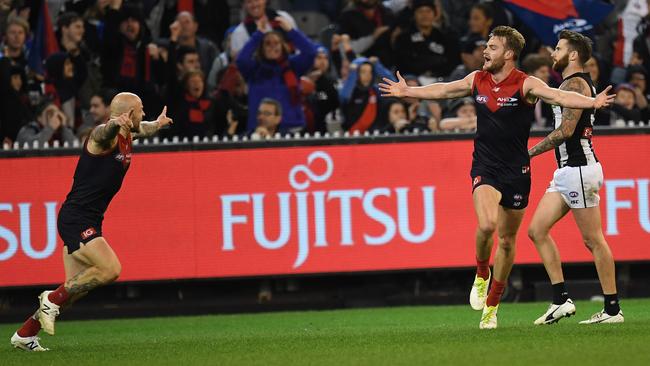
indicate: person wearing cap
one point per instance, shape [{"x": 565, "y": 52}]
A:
[
  {"x": 325, "y": 98},
  {"x": 423, "y": 49},
  {"x": 471, "y": 55},
  {"x": 462, "y": 116}
]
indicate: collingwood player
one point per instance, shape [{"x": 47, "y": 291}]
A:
[
  {"x": 88, "y": 260},
  {"x": 574, "y": 187}
]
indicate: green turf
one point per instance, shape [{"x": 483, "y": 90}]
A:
[{"x": 386, "y": 336}]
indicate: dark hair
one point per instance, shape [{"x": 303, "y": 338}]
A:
[
  {"x": 533, "y": 62},
  {"x": 259, "y": 53},
  {"x": 42, "y": 106},
  {"x": 514, "y": 40},
  {"x": 275, "y": 103},
  {"x": 184, "y": 51},
  {"x": 579, "y": 43},
  {"x": 486, "y": 9},
  {"x": 106, "y": 95},
  {"x": 67, "y": 18}
]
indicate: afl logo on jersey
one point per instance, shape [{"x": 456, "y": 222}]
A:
[
  {"x": 481, "y": 99},
  {"x": 573, "y": 194}
]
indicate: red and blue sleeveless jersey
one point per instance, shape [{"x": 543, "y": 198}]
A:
[{"x": 504, "y": 118}]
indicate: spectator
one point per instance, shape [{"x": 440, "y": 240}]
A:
[
  {"x": 394, "y": 118},
  {"x": 127, "y": 60},
  {"x": 481, "y": 19},
  {"x": 62, "y": 84},
  {"x": 194, "y": 111},
  {"x": 220, "y": 62},
  {"x": 14, "y": 106},
  {"x": 268, "y": 69},
  {"x": 212, "y": 17},
  {"x": 186, "y": 36},
  {"x": 636, "y": 76},
  {"x": 12, "y": 52},
  {"x": 625, "y": 109},
  {"x": 540, "y": 67},
  {"x": 423, "y": 49},
  {"x": 360, "y": 96},
  {"x": 342, "y": 55},
  {"x": 50, "y": 126},
  {"x": 269, "y": 117},
  {"x": 231, "y": 103},
  {"x": 72, "y": 30},
  {"x": 258, "y": 17},
  {"x": 98, "y": 113},
  {"x": 368, "y": 23},
  {"x": 325, "y": 99},
  {"x": 462, "y": 116},
  {"x": 424, "y": 114},
  {"x": 471, "y": 55}
]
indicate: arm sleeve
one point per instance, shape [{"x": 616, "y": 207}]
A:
[
  {"x": 245, "y": 61},
  {"x": 303, "y": 61}
]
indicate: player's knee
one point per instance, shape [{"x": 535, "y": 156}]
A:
[
  {"x": 592, "y": 242},
  {"x": 487, "y": 226},
  {"x": 536, "y": 234},
  {"x": 111, "y": 272}
]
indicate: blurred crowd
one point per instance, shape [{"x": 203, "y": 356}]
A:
[{"x": 259, "y": 67}]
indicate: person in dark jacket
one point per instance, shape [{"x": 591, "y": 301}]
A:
[
  {"x": 127, "y": 64},
  {"x": 325, "y": 98},
  {"x": 369, "y": 25},
  {"x": 15, "y": 108},
  {"x": 425, "y": 50},
  {"x": 360, "y": 96},
  {"x": 193, "y": 112},
  {"x": 269, "y": 70}
]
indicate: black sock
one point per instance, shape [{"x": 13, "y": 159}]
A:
[
  {"x": 560, "y": 296},
  {"x": 611, "y": 304}
]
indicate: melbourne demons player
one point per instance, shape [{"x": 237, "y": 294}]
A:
[
  {"x": 574, "y": 187},
  {"x": 88, "y": 260},
  {"x": 500, "y": 172}
]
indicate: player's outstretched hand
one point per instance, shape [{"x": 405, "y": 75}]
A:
[
  {"x": 603, "y": 100},
  {"x": 163, "y": 120},
  {"x": 390, "y": 88},
  {"x": 123, "y": 120}
]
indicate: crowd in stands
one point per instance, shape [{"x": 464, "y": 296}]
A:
[{"x": 246, "y": 68}]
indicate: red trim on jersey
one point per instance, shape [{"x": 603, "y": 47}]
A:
[{"x": 500, "y": 94}]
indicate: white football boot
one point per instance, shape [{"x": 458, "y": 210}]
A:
[
  {"x": 479, "y": 292},
  {"x": 29, "y": 344},
  {"x": 603, "y": 317},
  {"x": 556, "y": 312},
  {"x": 489, "y": 317}
]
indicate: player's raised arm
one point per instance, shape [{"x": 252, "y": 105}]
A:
[
  {"x": 569, "y": 99},
  {"x": 570, "y": 118},
  {"x": 454, "y": 89},
  {"x": 147, "y": 129},
  {"x": 105, "y": 134}
]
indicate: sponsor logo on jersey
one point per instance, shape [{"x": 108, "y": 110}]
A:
[
  {"x": 507, "y": 102},
  {"x": 525, "y": 169},
  {"x": 518, "y": 197},
  {"x": 476, "y": 181},
  {"x": 88, "y": 233},
  {"x": 481, "y": 99},
  {"x": 587, "y": 132}
]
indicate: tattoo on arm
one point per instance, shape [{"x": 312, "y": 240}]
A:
[
  {"x": 570, "y": 118},
  {"x": 104, "y": 134},
  {"x": 147, "y": 129}
]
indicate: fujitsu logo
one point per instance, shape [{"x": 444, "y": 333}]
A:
[{"x": 311, "y": 209}]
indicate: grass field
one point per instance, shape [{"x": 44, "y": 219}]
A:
[{"x": 385, "y": 336}]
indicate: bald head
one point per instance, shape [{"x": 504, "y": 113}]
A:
[{"x": 127, "y": 103}]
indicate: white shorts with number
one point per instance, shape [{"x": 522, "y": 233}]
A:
[{"x": 578, "y": 185}]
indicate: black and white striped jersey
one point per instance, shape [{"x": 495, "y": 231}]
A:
[{"x": 577, "y": 150}]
